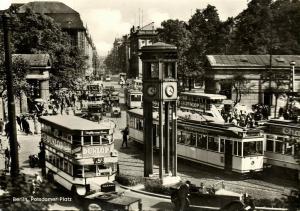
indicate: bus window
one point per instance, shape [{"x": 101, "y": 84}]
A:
[
  {"x": 96, "y": 140},
  {"x": 77, "y": 171},
  {"x": 90, "y": 171},
  {"x": 76, "y": 141},
  {"x": 105, "y": 140},
  {"x": 270, "y": 146},
  {"x": 86, "y": 140},
  {"x": 135, "y": 97},
  {"x": 193, "y": 139}
]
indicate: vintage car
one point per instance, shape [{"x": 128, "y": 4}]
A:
[
  {"x": 201, "y": 197},
  {"x": 114, "y": 98}
]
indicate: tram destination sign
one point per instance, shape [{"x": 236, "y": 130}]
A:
[
  {"x": 100, "y": 132},
  {"x": 95, "y": 151},
  {"x": 285, "y": 130}
]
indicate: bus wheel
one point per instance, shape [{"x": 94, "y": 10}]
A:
[{"x": 75, "y": 196}]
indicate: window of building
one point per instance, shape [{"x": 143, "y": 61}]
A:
[{"x": 270, "y": 146}]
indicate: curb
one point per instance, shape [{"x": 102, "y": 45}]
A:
[{"x": 145, "y": 192}]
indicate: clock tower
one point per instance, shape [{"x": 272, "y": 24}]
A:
[{"x": 160, "y": 86}]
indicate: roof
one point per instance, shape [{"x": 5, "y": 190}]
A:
[
  {"x": 35, "y": 60},
  {"x": 205, "y": 95},
  {"x": 60, "y": 12},
  {"x": 74, "y": 123},
  {"x": 252, "y": 60}
]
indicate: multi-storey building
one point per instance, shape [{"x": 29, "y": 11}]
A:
[
  {"x": 139, "y": 37},
  {"x": 70, "y": 22}
]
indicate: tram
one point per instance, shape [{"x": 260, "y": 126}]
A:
[
  {"x": 79, "y": 154},
  {"x": 209, "y": 105},
  {"x": 224, "y": 146}
]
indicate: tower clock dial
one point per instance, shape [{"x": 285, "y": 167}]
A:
[
  {"x": 151, "y": 90},
  {"x": 169, "y": 90}
]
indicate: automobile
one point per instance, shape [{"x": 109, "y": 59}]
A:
[
  {"x": 201, "y": 197},
  {"x": 107, "y": 78},
  {"x": 114, "y": 97}
]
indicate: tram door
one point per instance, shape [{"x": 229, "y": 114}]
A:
[{"x": 228, "y": 155}]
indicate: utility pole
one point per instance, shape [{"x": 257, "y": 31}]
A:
[{"x": 10, "y": 96}]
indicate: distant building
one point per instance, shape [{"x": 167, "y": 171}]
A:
[
  {"x": 139, "y": 37},
  {"x": 70, "y": 22},
  {"x": 252, "y": 67}
]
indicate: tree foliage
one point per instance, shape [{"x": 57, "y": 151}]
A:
[{"x": 37, "y": 33}]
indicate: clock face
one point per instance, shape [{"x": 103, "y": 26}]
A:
[
  {"x": 151, "y": 90},
  {"x": 169, "y": 90}
]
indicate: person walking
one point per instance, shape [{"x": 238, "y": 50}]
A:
[
  {"x": 7, "y": 159},
  {"x": 183, "y": 194},
  {"x": 125, "y": 134},
  {"x": 19, "y": 122}
]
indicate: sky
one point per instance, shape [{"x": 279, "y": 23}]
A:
[{"x": 110, "y": 19}]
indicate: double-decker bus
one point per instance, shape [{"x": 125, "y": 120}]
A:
[
  {"x": 198, "y": 102},
  {"x": 133, "y": 95},
  {"x": 224, "y": 146},
  {"x": 94, "y": 100},
  {"x": 79, "y": 154}
]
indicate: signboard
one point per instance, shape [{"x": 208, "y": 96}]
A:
[
  {"x": 285, "y": 130},
  {"x": 57, "y": 143},
  {"x": 92, "y": 133},
  {"x": 95, "y": 151}
]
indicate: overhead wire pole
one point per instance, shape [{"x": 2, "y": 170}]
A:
[{"x": 10, "y": 96}]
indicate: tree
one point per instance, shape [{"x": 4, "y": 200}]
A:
[
  {"x": 38, "y": 33},
  {"x": 253, "y": 28},
  {"x": 176, "y": 32},
  {"x": 240, "y": 85}
]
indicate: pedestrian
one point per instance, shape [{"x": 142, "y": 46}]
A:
[
  {"x": 7, "y": 159},
  {"x": 19, "y": 122},
  {"x": 7, "y": 129},
  {"x": 26, "y": 127},
  {"x": 183, "y": 194},
  {"x": 125, "y": 134}
]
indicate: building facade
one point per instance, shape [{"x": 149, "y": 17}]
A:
[
  {"x": 70, "y": 22},
  {"x": 139, "y": 37},
  {"x": 258, "y": 88}
]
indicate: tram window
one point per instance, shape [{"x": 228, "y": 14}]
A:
[
  {"x": 96, "y": 140},
  {"x": 237, "y": 148},
  {"x": 86, "y": 140},
  {"x": 193, "y": 139},
  {"x": 251, "y": 148},
  {"x": 288, "y": 149},
  {"x": 90, "y": 171},
  {"x": 184, "y": 138},
  {"x": 270, "y": 146},
  {"x": 213, "y": 143},
  {"x": 222, "y": 145},
  {"x": 181, "y": 139},
  {"x": 278, "y": 147},
  {"x": 77, "y": 171},
  {"x": 201, "y": 141},
  {"x": 131, "y": 122},
  {"x": 188, "y": 138}
]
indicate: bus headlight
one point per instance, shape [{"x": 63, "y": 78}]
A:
[
  {"x": 114, "y": 154},
  {"x": 252, "y": 162}
]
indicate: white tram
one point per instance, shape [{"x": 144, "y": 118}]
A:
[
  {"x": 79, "y": 154},
  {"x": 223, "y": 146}
]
